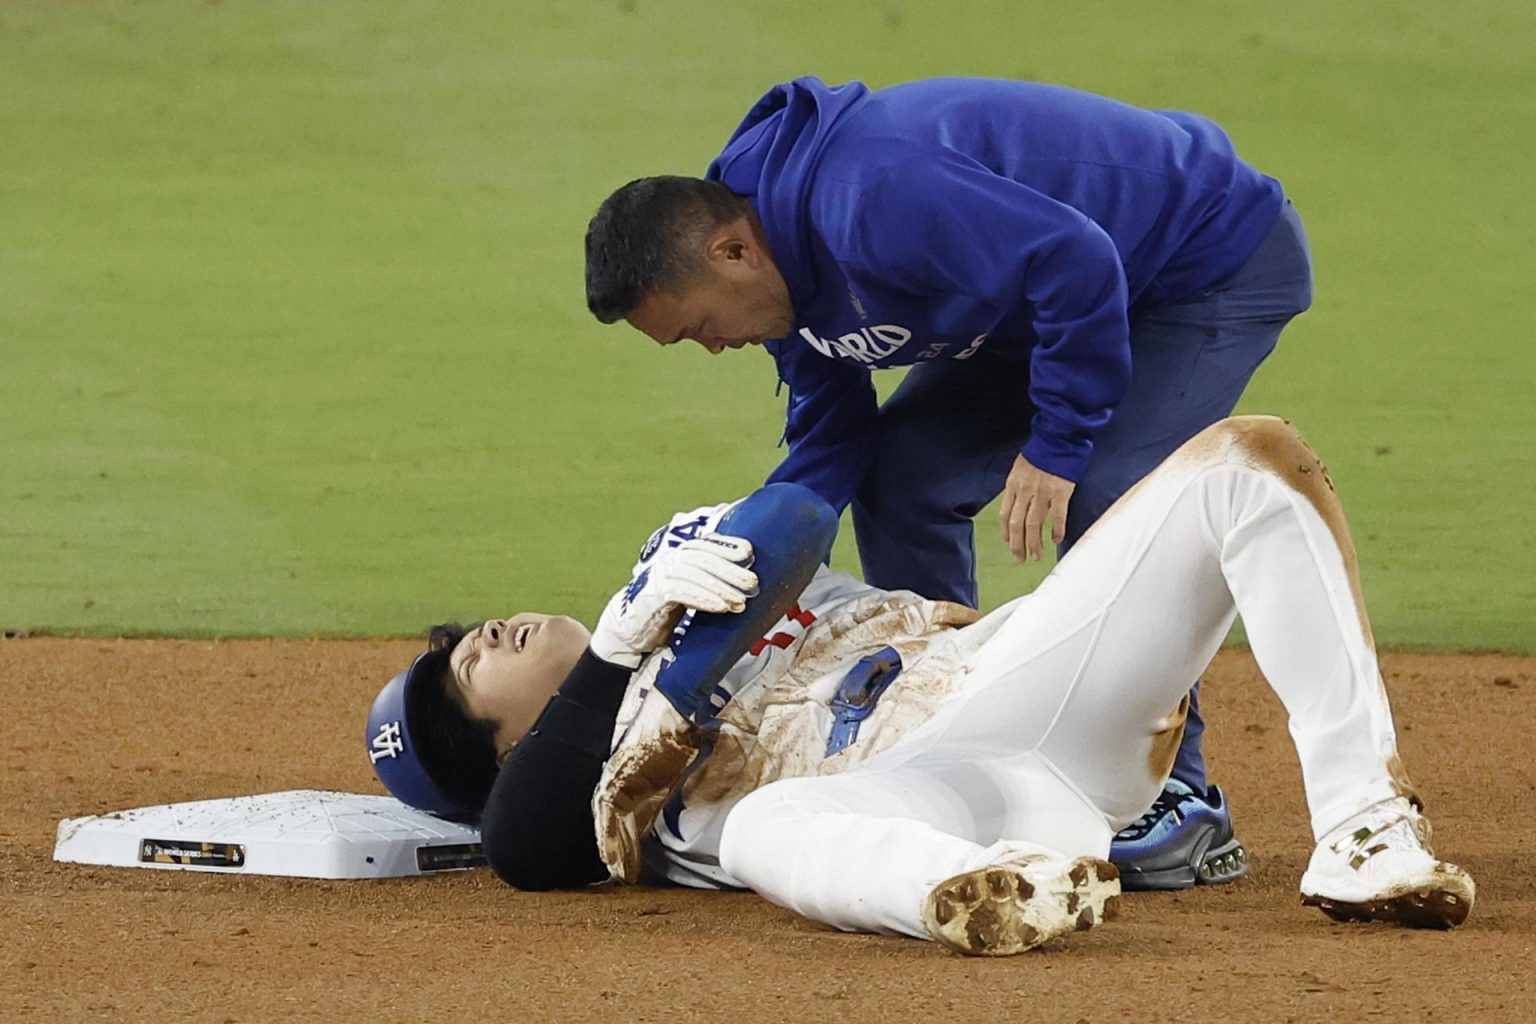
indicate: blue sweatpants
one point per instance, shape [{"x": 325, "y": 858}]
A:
[{"x": 949, "y": 434}]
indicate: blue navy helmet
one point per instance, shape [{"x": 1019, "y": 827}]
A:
[{"x": 393, "y": 749}]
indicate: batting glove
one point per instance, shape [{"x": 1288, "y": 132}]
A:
[
  {"x": 639, "y": 777},
  {"x": 707, "y": 574}
]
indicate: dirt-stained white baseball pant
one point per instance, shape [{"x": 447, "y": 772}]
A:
[{"x": 1069, "y": 721}]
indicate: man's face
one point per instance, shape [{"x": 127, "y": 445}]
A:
[
  {"x": 738, "y": 298},
  {"x": 507, "y": 669}
]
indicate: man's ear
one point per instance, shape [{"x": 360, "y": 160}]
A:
[{"x": 733, "y": 243}]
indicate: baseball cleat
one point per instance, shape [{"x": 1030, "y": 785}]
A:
[
  {"x": 1008, "y": 908},
  {"x": 1181, "y": 841},
  {"x": 1378, "y": 866}
]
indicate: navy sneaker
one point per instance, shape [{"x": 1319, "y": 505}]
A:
[{"x": 1181, "y": 841}]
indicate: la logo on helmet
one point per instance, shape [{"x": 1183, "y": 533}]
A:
[{"x": 388, "y": 743}]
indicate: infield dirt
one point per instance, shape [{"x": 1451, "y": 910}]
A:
[{"x": 95, "y": 725}]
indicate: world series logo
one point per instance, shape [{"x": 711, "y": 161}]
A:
[{"x": 869, "y": 345}]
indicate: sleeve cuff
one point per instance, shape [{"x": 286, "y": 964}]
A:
[{"x": 1068, "y": 463}]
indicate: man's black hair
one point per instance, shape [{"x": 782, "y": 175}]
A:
[
  {"x": 457, "y": 750},
  {"x": 647, "y": 237}
]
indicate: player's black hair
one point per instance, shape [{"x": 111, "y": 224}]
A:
[
  {"x": 457, "y": 750},
  {"x": 647, "y": 237}
]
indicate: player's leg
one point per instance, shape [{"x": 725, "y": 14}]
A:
[
  {"x": 1269, "y": 521},
  {"x": 914, "y": 846},
  {"x": 945, "y": 441},
  {"x": 1191, "y": 363},
  {"x": 866, "y": 850},
  {"x": 1071, "y": 720}
]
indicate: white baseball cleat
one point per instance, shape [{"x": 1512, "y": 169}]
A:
[
  {"x": 1378, "y": 866},
  {"x": 1007, "y": 908}
]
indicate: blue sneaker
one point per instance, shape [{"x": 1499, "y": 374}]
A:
[{"x": 1181, "y": 841}]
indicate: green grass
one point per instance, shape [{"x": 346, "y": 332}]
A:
[{"x": 292, "y": 338}]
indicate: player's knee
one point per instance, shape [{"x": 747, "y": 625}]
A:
[
  {"x": 1276, "y": 446},
  {"x": 1260, "y": 431},
  {"x": 1263, "y": 442},
  {"x": 1271, "y": 446},
  {"x": 1280, "y": 449},
  {"x": 1244, "y": 432}
]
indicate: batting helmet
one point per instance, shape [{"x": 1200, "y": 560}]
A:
[{"x": 392, "y": 748}]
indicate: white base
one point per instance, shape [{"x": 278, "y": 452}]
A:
[{"x": 299, "y": 833}]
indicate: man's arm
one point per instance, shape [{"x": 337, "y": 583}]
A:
[
  {"x": 946, "y": 226},
  {"x": 829, "y": 423}
]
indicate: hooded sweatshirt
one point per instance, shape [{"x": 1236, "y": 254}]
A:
[{"x": 929, "y": 220}]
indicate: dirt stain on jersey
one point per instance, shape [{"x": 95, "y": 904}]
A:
[{"x": 783, "y": 735}]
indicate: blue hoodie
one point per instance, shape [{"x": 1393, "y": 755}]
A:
[{"x": 927, "y": 220}]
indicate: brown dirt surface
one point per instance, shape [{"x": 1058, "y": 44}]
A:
[{"x": 98, "y": 725}]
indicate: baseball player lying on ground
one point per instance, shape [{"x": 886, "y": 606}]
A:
[{"x": 740, "y": 716}]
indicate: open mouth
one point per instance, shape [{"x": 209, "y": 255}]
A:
[{"x": 524, "y": 632}]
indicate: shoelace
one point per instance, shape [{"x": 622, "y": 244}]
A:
[{"x": 1167, "y": 802}]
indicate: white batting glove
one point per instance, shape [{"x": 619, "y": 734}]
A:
[{"x": 707, "y": 574}]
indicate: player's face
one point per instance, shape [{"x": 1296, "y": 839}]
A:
[
  {"x": 507, "y": 669},
  {"x": 737, "y": 299}
]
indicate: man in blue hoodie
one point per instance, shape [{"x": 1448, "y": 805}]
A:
[{"x": 1079, "y": 286}]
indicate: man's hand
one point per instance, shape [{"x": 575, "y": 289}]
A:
[
  {"x": 1030, "y": 497},
  {"x": 708, "y": 574}
]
